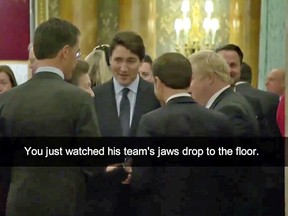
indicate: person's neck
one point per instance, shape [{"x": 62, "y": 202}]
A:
[
  {"x": 170, "y": 92},
  {"x": 217, "y": 86},
  {"x": 48, "y": 63}
]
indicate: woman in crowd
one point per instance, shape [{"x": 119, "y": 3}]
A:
[
  {"x": 7, "y": 78},
  {"x": 98, "y": 61},
  {"x": 81, "y": 78}
]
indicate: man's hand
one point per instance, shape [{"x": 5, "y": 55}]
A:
[
  {"x": 127, "y": 166},
  {"x": 119, "y": 172},
  {"x": 128, "y": 170},
  {"x": 112, "y": 167}
]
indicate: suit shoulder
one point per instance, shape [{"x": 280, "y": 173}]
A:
[
  {"x": 102, "y": 88},
  {"x": 146, "y": 86},
  {"x": 154, "y": 113}
]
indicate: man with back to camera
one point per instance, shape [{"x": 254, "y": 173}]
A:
[
  {"x": 59, "y": 110},
  {"x": 181, "y": 115},
  {"x": 269, "y": 102},
  {"x": 182, "y": 189},
  {"x": 210, "y": 87},
  {"x": 119, "y": 104}
]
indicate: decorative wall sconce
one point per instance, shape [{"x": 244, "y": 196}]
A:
[
  {"x": 186, "y": 43},
  {"x": 211, "y": 25}
]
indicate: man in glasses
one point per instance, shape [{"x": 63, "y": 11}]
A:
[{"x": 47, "y": 106}]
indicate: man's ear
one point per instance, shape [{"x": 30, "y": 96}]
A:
[
  {"x": 156, "y": 81},
  {"x": 211, "y": 78},
  {"x": 64, "y": 52}
]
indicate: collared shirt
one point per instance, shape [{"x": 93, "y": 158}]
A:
[
  {"x": 240, "y": 82},
  {"x": 131, "y": 95},
  {"x": 213, "y": 98},
  {"x": 184, "y": 94},
  {"x": 50, "y": 69}
]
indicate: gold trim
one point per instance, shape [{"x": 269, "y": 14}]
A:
[{"x": 41, "y": 11}]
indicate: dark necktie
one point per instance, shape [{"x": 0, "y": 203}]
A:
[{"x": 125, "y": 112}]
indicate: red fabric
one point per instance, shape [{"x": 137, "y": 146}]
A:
[
  {"x": 281, "y": 115},
  {"x": 14, "y": 30}
]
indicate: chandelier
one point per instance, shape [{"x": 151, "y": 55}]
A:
[{"x": 186, "y": 40}]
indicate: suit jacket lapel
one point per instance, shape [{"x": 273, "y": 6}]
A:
[{"x": 111, "y": 106}]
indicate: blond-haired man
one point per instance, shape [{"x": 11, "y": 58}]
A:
[{"x": 210, "y": 87}]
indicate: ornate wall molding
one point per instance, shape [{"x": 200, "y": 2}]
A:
[
  {"x": 167, "y": 11},
  {"x": 41, "y": 11},
  {"x": 53, "y": 8}
]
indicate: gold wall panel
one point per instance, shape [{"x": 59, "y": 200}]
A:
[
  {"x": 140, "y": 16},
  {"x": 108, "y": 20},
  {"x": 84, "y": 15},
  {"x": 99, "y": 20},
  {"x": 244, "y": 31},
  {"x": 125, "y": 15},
  {"x": 41, "y": 11}
]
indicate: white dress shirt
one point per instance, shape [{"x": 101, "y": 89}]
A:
[
  {"x": 131, "y": 95},
  {"x": 50, "y": 69},
  {"x": 184, "y": 94}
]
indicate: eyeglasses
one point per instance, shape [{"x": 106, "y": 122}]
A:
[{"x": 78, "y": 54}]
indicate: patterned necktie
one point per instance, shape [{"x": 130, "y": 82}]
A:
[{"x": 125, "y": 112}]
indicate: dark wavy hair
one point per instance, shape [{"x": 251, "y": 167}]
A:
[
  {"x": 131, "y": 40},
  {"x": 231, "y": 47}
]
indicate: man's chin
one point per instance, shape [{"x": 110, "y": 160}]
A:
[{"x": 124, "y": 81}]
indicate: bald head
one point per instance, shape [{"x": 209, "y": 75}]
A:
[{"x": 275, "y": 81}]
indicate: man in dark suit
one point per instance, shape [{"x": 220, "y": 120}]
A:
[
  {"x": 181, "y": 115},
  {"x": 210, "y": 87},
  {"x": 119, "y": 104},
  {"x": 48, "y": 106},
  {"x": 183, "y": 190},
  {"x": 126, "y": 56},
  {"x": 264, "y": 104},
  {"x": 268, "y": 126}
]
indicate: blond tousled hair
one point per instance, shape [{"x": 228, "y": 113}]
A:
[
  {"x": 208, "y": 62},
  {"x": 99, "y": 71}
]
